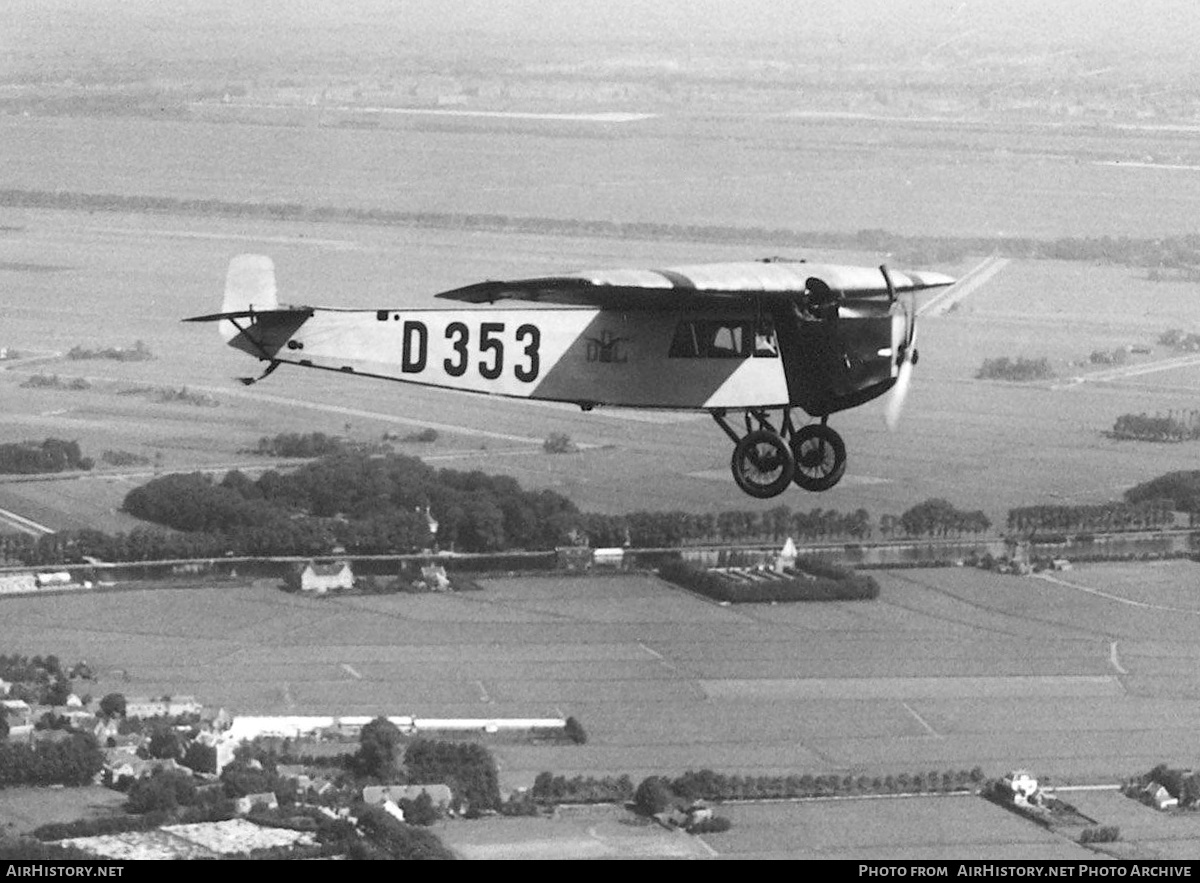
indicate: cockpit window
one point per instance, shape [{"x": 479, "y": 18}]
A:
[{"x": 722, "y": 339}]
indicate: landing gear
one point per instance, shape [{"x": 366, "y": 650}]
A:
[
  {"x": 765, "y": 460},
  {"x": 820, "y": 456},
  {"x": 762, "y": 464}
]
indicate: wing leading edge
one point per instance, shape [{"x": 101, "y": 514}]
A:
[{"x": 696, "y": 284}]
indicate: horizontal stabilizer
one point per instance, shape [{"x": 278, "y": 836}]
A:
[{"x": 254, "y": 315}]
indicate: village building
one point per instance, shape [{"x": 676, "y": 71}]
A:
[
  {"x": 1022, "y": 785},
  {"x": 262, "y": 800},
  {"x": 786, "y": 559},
  {"x": 124, "y": 763},
  {"x": 1159, "y": 797},
  {"x": 168, "y": 706},
  {"x": 392, "y": 810},
  {"x": 434, "y": 577},
  {"x": 17, "y": 583},
  {"x": 319, "y": 579},
  {"x": 19, "y": 716}
]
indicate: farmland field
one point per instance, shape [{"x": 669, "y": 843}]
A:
[
  {"x": 128, "y": 278},
  {"x": 928, "y": 126},
  {"x": 948, "y": 670},
  {"x": 105, "y": 279}
]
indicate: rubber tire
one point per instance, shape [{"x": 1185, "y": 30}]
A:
[
  {"x": 828, "y": 477},
  {"x": 746, "y": 447}
]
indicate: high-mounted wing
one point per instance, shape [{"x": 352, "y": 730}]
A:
[{"x": 695, "y": 285}]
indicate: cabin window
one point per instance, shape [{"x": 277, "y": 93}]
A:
[{"x": 722, "y": 339}]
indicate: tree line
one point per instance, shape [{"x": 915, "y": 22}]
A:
[
  {"x": 354, "y": 503},
  {"x": 1151, "y": 252},
  {"x": 1115, "y": 516}
]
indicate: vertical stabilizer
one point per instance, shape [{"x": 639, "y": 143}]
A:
[{"x": 249, "y": 285}]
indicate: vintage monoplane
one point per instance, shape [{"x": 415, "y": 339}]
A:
[{"x": 749, "y": 338}]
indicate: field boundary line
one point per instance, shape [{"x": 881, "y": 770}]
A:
[
  {"x": 972, "y": 281},
  {"x": 25, "y": 525},
  {"x": 1143, "y": 605}
]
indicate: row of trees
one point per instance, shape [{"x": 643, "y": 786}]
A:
[
  {"x": 1160, "y": 252},
  {"x": 657, "y": 793},
  {"x": 1114, "y": 516},
  {"x": 653, "y": 530}
]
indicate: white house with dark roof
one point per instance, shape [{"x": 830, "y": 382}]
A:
[
  {"x": 377, "y": 795},
  {"x": 321, "y": 578}
]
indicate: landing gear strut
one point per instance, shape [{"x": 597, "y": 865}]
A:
[{"x": 766, "y": 460}]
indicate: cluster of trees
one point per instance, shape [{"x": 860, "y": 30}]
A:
[
  {"x": 1179, "y": 490},
  {"x": 367, "y": 505},
  {"x": 170, "y": 395},
  {"x": 37, "y": 680},
  {"x": 937, "y": 517},
  {"x": 834, "y": 584},
  {"x": 49, "y": 455},
  {"x": 468, "y": 768},
  {"x": 1183, "y": 785},
  {"x": 1108, "y": 357},
  {"x": 1111, "y": 516},
  {"x": 559, "y": 443},
  {"x": 1100, "y": 834},
  {"x": 1156, "y": 253},
  {"x": 294, "y": 444},
  {"x": 1177, "y": 339},
  {"x": 1020, "y": 371},
  {"x": 1175, "y": 426},
  {"x": 139, "y": 352},
  {"x": 53, "y": 381},
  {"x": 392, "y": 839},
  {"x": 425, "y": 437},
  {"x": 72, "y": 760}
]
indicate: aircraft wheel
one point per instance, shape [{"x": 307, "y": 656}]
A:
[
  {"x": 762, "y": 464},
  {"x": 820, "y": 456}
]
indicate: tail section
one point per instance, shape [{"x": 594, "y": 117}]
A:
[
  {"x": 251, "y": 318},
  {"x": 249, "y": 288}
]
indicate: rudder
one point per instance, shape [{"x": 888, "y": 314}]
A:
[{"x": 249, "y": 285}]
